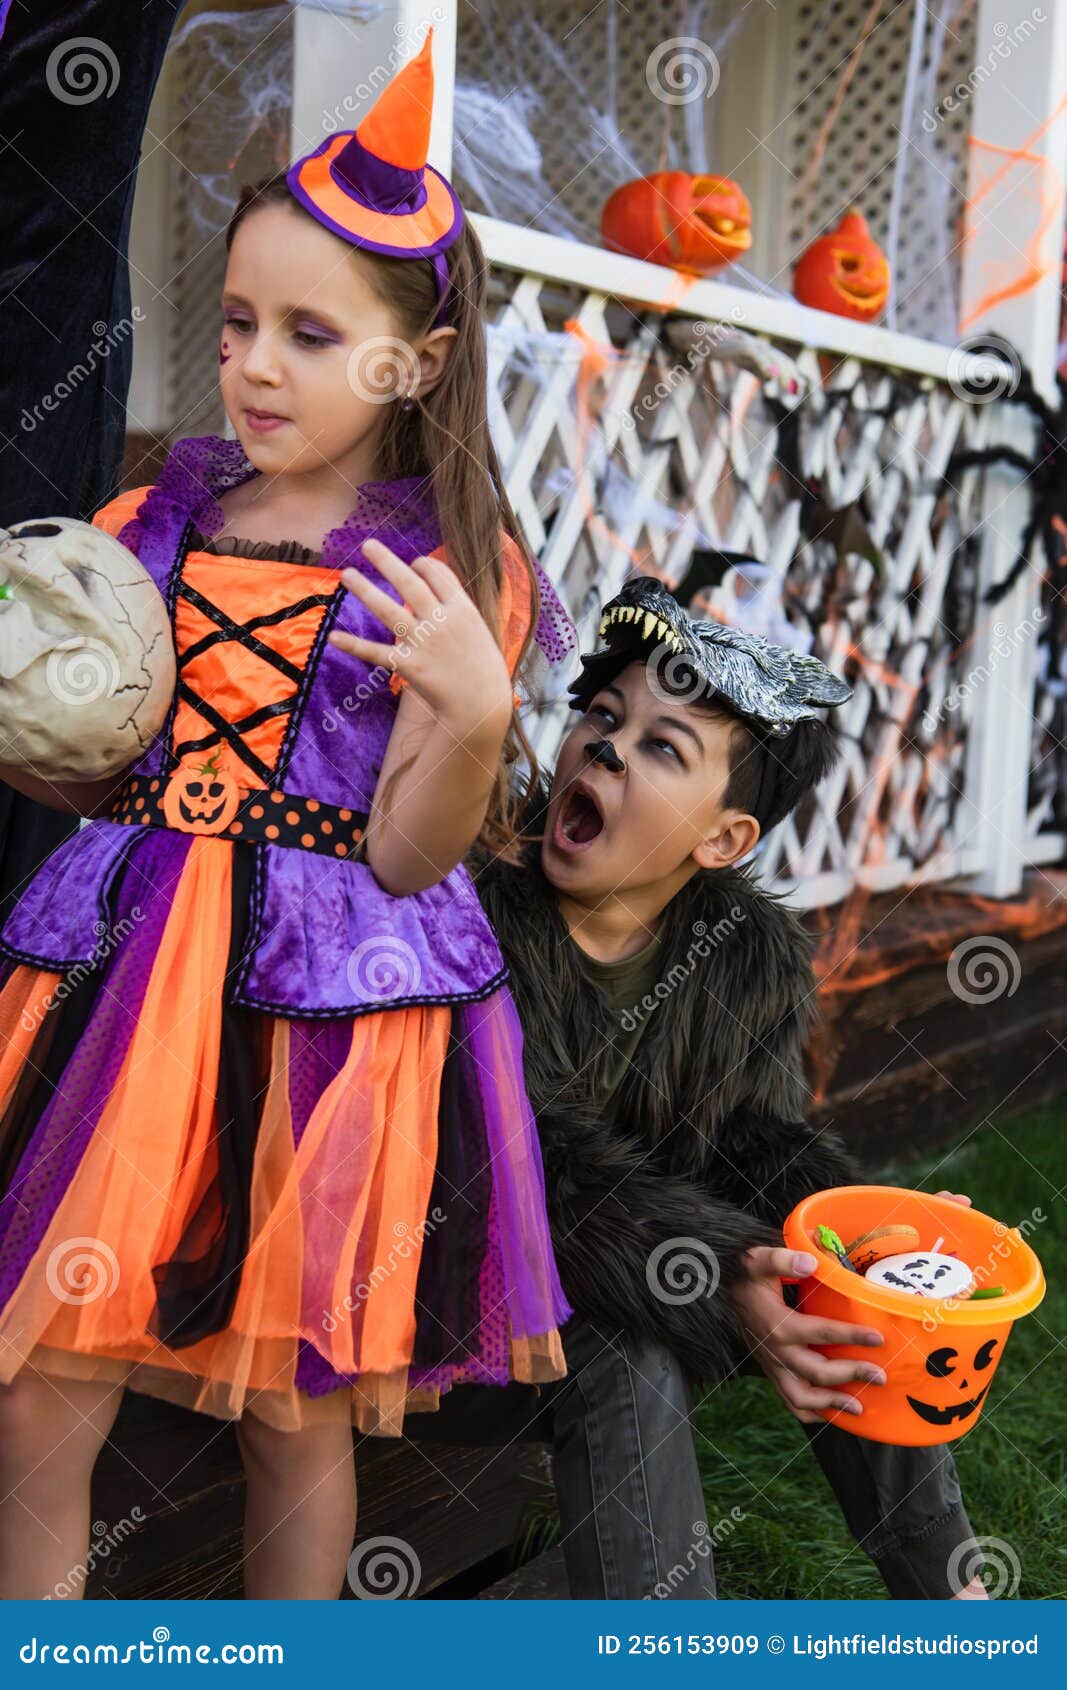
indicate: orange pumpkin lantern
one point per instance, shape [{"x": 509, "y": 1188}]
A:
[
  {"x": 845, "y": 272},
  {"x": 201, "y": 797},
  {"x": 698, "y": 224}
]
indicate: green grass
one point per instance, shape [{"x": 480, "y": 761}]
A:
[
  {"x": 792, "y": 1541},
  {"x": 1012, "y": 1466}
]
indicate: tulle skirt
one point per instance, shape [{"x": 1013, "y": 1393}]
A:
[{"x": 234, "y": 1210}]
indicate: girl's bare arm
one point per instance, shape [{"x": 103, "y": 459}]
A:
[
  {"x": 450, "y": 724},
  {"x": 437, "y": 804}
]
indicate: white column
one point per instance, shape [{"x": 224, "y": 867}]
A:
[{"x": 1020, "y": 85}]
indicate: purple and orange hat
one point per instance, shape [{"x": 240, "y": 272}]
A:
[{"x": 372, "y": 185}]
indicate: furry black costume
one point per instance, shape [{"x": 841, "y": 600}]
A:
[{"x": 715, "y": 1147}]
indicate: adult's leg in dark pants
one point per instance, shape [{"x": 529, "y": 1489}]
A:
[
  {"x": 904, "y": 1506},
  {"x": 632, "y": 1514},
  {"x": 68, "y": 166}
]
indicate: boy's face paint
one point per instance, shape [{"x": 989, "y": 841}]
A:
[{"x": 611, "y": 829}]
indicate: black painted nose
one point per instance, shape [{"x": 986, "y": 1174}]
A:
[{"x": 602, "y": 751}]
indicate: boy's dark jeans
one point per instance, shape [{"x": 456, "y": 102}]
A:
[{"x": 633, "y": 1518}]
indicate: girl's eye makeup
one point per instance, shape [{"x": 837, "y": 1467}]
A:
[
  {"x": 305, "y": 337},
  {"x": 601, "y": 710}
]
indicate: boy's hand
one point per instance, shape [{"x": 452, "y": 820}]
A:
[
  {"x": 783, "y": 1338},
  {"x": 953, "y": 1196}
]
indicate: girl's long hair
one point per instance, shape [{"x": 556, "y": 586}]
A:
[{"x": 445, "y": 437}]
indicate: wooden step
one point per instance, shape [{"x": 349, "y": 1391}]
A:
[{"x": 455, "y": 1506}]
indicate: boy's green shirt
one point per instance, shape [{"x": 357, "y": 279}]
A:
[{"x": 624, "y": 985}]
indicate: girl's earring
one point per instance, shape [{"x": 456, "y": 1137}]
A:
[{"x": 406, "y": 403}]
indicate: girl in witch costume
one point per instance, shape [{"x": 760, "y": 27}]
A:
[{"x": 265, "y": 1148}]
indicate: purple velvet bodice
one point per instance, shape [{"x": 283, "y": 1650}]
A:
[{"x": 324, "y": 938}]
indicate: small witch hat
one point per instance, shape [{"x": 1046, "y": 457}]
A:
[{"x": 373, "y": 186}]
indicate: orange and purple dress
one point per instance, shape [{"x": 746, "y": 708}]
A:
[{"x": 264, "y": 1137}]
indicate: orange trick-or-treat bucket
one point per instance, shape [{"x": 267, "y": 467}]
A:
[{"x": 940, "y": 1351}]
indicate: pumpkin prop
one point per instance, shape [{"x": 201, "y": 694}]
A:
[
  {"x": 87, "y": 665},
  {"x": 698, "y": 224},
  {"x": 201, "y": 797},
  {"x": 940, "y": 1353},
  {"x": 845, "y": 272}
]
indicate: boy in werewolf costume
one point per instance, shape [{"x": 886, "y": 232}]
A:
[{"x": 666, "y": 1001}]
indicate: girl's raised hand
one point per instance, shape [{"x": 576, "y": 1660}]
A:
[{"x": 442, "y": 648}]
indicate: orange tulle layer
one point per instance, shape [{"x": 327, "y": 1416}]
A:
[{"x": 354, "y": 1192}]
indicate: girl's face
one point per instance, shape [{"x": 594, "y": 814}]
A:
[{"x": 306, "y": 340}]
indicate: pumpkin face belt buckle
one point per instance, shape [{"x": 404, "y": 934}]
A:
[{"x": 201, "y": 797}]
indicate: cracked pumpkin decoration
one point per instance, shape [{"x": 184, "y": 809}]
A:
[
  {"x": 845, "y": 272},
  {"x": 698, "y": 224},
  {"x": 87, "y": 665},
  {"x": 939, "y": 1352}
]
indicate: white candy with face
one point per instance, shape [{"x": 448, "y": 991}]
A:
[
  {"x": 87, "y": 666},
  {"x": 923, "y": 1273}
]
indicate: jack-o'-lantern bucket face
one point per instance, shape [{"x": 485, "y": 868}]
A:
[
  {"x": 966, "y": 1374},
  {"x": 940, "y": 1353},
  {"x": 201, "y": 797}
]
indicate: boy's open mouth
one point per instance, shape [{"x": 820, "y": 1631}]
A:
[{"x": 578, "y": 819}]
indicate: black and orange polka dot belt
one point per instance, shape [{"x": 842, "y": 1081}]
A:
[{"x": 212, "y": 802}]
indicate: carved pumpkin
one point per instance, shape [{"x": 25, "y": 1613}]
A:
[
  {"x": 698, "y": 224},
  {"x": 845, "y": 272},
  {"x": 966, "y": 1375},
  {"x": 201, "y": 797}
]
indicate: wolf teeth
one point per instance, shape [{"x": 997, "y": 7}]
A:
[{"x": 650, "y": 623}]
